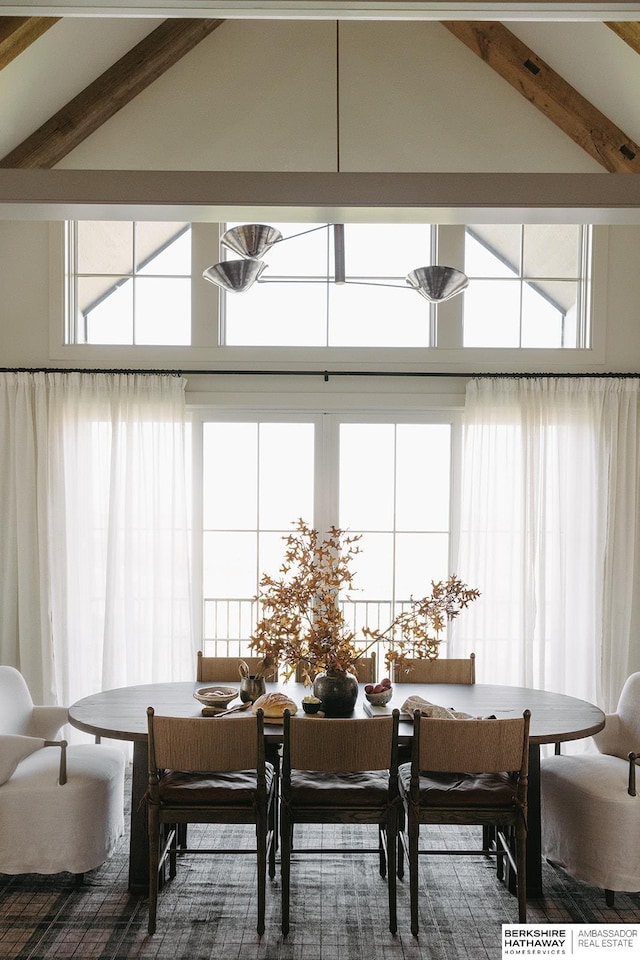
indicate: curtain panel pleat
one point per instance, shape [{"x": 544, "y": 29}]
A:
[
  {"x": 550, "y": 480},
  {"x": 94, "y": 522}
]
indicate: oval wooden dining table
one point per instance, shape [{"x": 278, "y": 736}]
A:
[{"x": 120, "y": 714}]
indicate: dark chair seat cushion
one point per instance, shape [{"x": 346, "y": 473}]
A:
[
  {"x": 366, "y": 788},
  {"x": 233, "y": 787},
  {"x": 461, "y": 789}
]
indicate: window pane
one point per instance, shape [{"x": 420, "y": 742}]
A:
[
  {"x": 163, "y": 249},
  {"x": 108, "y": 319},
  {"x": 552, "y": 250},
  {"x": 271, "y": 549},
  {"x": 253, "y": 474},
  {"x": 104, "y": 246},
  {"x": 278, "y": 315},
  {"x": 492, "y": 313},
  {"x": 422, "y": 476},
  {"x": 374, "y": 568},
  {"x": 230, "y": 479},
  {"x": 492, "y": 250},
  {"x": 286, "y": 474},
  {"x": 386, "y": 250},
  {"x": 420, "y": 558},
  {"x": 367, "y": 476},
  {"x": 229, "y": 564},
  {"x": 163, "y": 311},
  {"x": 228, "y": 619},
  {"x": 370, "y": 316},
  {"x": 542, "y": 319}
]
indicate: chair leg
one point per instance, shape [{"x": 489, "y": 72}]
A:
[
  {"x": 521, "y": 870},
  {"x": 413, "y": 874},
  {"x": 173, "y": 850},
  {"x": 261, "y": 847},
  {"x": 286, "y": 831},
  {"x": 182, "y": 835},
  {"x": 392, "y": 843},
  {"x": 382, "y": 852},
  {"x": 399, "y": 844},
  {"x": 271, "y": 847},
  {"x": 154, "y": 847},
  {"x": 273, "y": 824}
]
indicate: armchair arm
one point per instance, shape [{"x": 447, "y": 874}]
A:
[
  {"x": 47, "y": 721},
  {"x": 62, "y": 776},
  {"x": 607, "y": 740},
  {"x": 14, "y": 748},
  {"x": 631, "y": 789}
]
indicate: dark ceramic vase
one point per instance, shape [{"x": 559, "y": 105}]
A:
[{"x": 338, "y": 691}]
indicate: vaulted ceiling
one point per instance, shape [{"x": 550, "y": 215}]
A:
[
  {"x": 518, "y": 63},
  {"x": 588, "y": 92}
]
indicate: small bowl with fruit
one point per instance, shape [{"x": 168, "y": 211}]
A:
[{"x": 379, "y": 694}]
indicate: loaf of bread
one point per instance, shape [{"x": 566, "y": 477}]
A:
[{"x": 274, "y": 705}]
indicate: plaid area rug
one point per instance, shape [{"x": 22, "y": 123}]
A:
[{"x": 338, "y": 912}]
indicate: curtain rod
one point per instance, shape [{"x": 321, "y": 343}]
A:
[{"x": 325, "y": 374}]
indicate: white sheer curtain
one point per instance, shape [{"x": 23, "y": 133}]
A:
[
  {"x": 549, "y": 533},
  {"x": 94, "y": 517}
]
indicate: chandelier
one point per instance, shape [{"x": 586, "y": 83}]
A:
[{"x": 252, "y": 241}]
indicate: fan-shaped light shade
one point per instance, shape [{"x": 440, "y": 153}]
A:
[
  {"x": 235, "y": 275},
  {"x": 437, "y": 283},
  {"x": 251, "y": 239}
]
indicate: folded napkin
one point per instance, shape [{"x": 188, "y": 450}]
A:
[{"x": 428, "y": 709}]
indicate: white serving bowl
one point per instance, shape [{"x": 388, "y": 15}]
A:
[{"x": 217, "y": 696}]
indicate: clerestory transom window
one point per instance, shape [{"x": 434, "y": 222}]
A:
[{"x": 140, "y": 284}]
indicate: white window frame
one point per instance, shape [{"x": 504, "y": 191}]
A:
[
  {"x": 327, "y": 421},
  {"x": 206, "y": 350}
]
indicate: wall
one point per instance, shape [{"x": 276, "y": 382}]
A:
[{"x": 261, "y": 95}]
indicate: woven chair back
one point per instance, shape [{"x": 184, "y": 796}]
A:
[
  {"x": 218, "y": 669},
  {"x": 473, "y": 746},
  {"x": 204, "y": 743},
  {"x": 436, "y": 671},
  {"x": 340, "y": 746}
]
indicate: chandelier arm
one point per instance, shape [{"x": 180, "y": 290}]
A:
[
  {"x": 292, "y": 236},
  {"x": 325, "y": 280}
]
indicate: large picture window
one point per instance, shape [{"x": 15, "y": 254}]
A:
[{"x": 385, "y": 479}]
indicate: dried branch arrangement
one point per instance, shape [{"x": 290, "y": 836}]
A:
[{"x": 303, "y": 620}]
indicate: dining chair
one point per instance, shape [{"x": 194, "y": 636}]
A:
[
  {"x": 589, "y": 807},
  {"x": 340, "y": 771},
  {"x": 61, "y": 806},
  {"x": 467, "y": 772},
  {"x": 440, "y": 670},
  {"x": 365, "y": 669},
  {"x": 225, "y": 669},
  {"x": 204, "y": 770}
]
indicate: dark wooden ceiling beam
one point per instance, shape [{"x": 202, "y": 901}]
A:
[
  {"x": 115, "y": 88},
  {"x": 629, "y": 32},
  {"x": 550, "y": 93},
  {"x": 18, "y": 33}
]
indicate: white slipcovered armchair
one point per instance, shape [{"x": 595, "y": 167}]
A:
[
  {"x": 60, "y": 808},
  {"x": 590, "y": 813}
]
